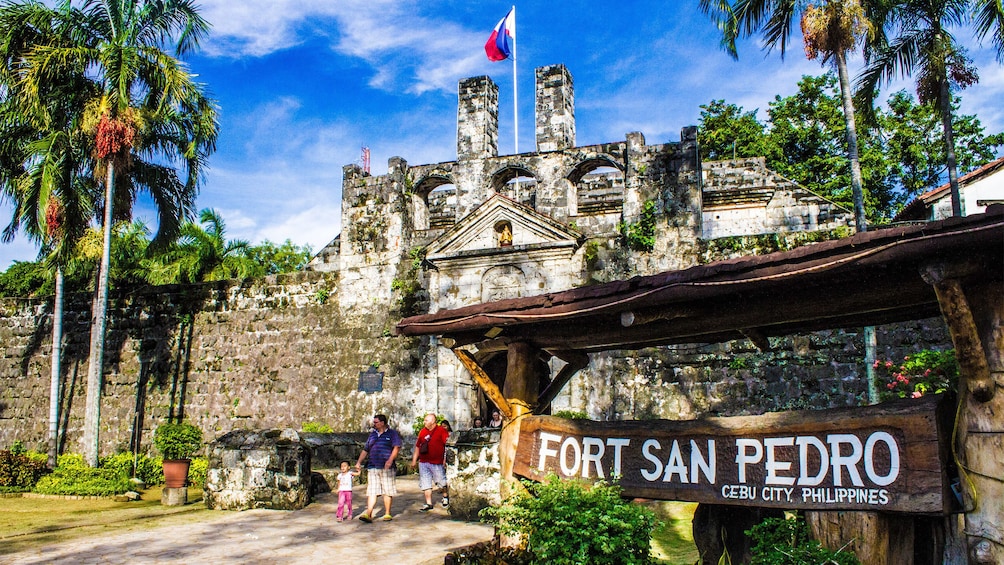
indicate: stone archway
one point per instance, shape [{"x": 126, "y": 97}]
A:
[
  {"x": 516, "y": 183},
  {"x": 596, "y": 186},
  {"x": 434, "y": 202}
]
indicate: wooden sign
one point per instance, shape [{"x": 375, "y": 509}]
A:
[{"x": 890, "y": 457}]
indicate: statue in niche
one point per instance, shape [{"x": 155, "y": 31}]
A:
[
  {"x": 505, "y": 234},
  {"x": 504, "y": 281}
]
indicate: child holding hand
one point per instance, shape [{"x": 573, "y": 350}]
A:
[{"x": 345, "y": 491}]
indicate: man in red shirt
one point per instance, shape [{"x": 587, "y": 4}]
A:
[{"x": 430, "y": 449}]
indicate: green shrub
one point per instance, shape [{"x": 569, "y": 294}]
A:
[
  {"x": 197, "y": 472},
  {"x": 566, "y": 522},
  {"x": 316, "y": 428},
  {"x": 148, "y": 469},
  {"x": 177, "y": 441},
  {"x": 571, "y": 414},
  {"x": 777, "y": 541},
  {"x": 419, "y": 422},
  {"x": 924, "y": 372},
  {"x": 73, "y": 477},
  {"x": 19, "y": 472}
]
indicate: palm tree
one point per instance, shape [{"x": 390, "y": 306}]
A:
[
  {"x": 44, "y": 163},
  {"x": 203, "y": 253},
  {"x": 922, "y": 44},
  {"x": 149, "y": 108},
  {"x": 990, "y": 19},
  {"x": 830, "y": 29}
]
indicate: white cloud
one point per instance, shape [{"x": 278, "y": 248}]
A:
[
  {"x": 259, "y": 27},
  {"x": 407, "y": 51}
]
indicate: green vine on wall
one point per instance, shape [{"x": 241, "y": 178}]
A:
[
  {"x": 409, "y": 286},
  {"x": 640, "y": 235}
]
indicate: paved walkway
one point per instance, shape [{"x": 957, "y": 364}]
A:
[{"x": 308, "y": 536}]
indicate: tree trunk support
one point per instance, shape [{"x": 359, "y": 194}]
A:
[
  {"x": 575, "y": 362},
  {"x": 485, "y": 382},
  {"x": 975, "y": 318},
  {"x": 520, "y": 389}
]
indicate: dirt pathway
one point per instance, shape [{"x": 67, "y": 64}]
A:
[{"x": 308, "y": 536}]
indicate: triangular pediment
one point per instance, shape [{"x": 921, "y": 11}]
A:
[{"x": 479, "y": 231}]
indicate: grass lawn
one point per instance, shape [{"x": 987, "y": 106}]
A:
[
  {"x": 673, "y": 542},
  {"x": 28, "y": 523}
]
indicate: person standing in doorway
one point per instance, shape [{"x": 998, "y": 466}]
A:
[
  {"x": 382, "y": 448},
  {"x": 429, "y": 455},
  {"x": 496, "y": 421}
]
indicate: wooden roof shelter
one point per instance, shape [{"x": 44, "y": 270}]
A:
[
  {"x": 871, "y": 278},
  {"x": 954, "y": 266}
]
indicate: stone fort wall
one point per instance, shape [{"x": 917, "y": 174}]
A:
[{"x": 275, "y": 353}]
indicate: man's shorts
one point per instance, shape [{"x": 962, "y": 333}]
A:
[
  {"x": 429, "y": 474},
  {"x": 381, "y": 481}
]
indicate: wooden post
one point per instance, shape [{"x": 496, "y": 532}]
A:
[
  {"x": 520, "y": 390},
  {"x": 975, "y": 318},
  {"x": 981, "y": 429}
]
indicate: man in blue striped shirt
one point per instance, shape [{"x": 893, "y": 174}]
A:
[{"x": 382, "y": 448}]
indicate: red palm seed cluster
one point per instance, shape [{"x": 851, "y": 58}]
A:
[
  {"x": 55, "y": 215},
  {"x": 113, "y": 137}
]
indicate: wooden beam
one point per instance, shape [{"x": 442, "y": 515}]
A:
[
  {"x": 484, "y": 381},
  {"x": 575, "y": 361},
  {"x": 962, "y": 326}
]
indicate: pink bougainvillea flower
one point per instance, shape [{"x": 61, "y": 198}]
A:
[
  {"x": 888, "y": 364},
  {"x": 916, "y": 394}
]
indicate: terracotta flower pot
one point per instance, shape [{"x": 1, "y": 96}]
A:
[{"x": 176, "y": 472}]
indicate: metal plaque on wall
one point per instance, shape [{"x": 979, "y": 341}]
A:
[{"x": 371, "y": 381}]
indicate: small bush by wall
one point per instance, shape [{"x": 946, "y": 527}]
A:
[
  {"x": 73, "y": 477},
  {"x": 19, "y": 472}
]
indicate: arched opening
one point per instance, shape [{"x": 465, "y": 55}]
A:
[
  {"x": 599, "y": 186},
  {"x": 434, "y": 200},
  {"x": 517, "y": 183}
]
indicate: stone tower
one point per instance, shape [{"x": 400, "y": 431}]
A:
[
  {"x": 478, "y": 119},
  {"x": 554, "y": 108}
]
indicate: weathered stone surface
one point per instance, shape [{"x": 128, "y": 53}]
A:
[
  {"x": 474, "y": 472},
  {"x": 258, "y": 469},
  {"x": 174, "y": 496}
]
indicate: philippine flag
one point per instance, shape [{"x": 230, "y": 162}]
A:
[{"x": 500, "y": 43}]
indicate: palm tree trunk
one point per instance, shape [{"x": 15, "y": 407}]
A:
[
  {"x": 953, "y": 173},
  {"x": 860, "y": 221},
  {"x": 95, "y": 365},
  {"x": 56, "y": 368}
]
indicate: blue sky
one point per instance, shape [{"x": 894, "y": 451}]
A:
[{"x": 303, "y": 85}]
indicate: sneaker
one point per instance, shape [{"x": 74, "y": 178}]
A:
[
  {"x": 366, "y": 518},
  {"x": 446, "y": 502},
  {"x": 425, "y": 508},
  {"x": 387, "y": 518}
]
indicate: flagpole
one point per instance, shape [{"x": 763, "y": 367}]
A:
[{"x": 515, "y": 104}]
